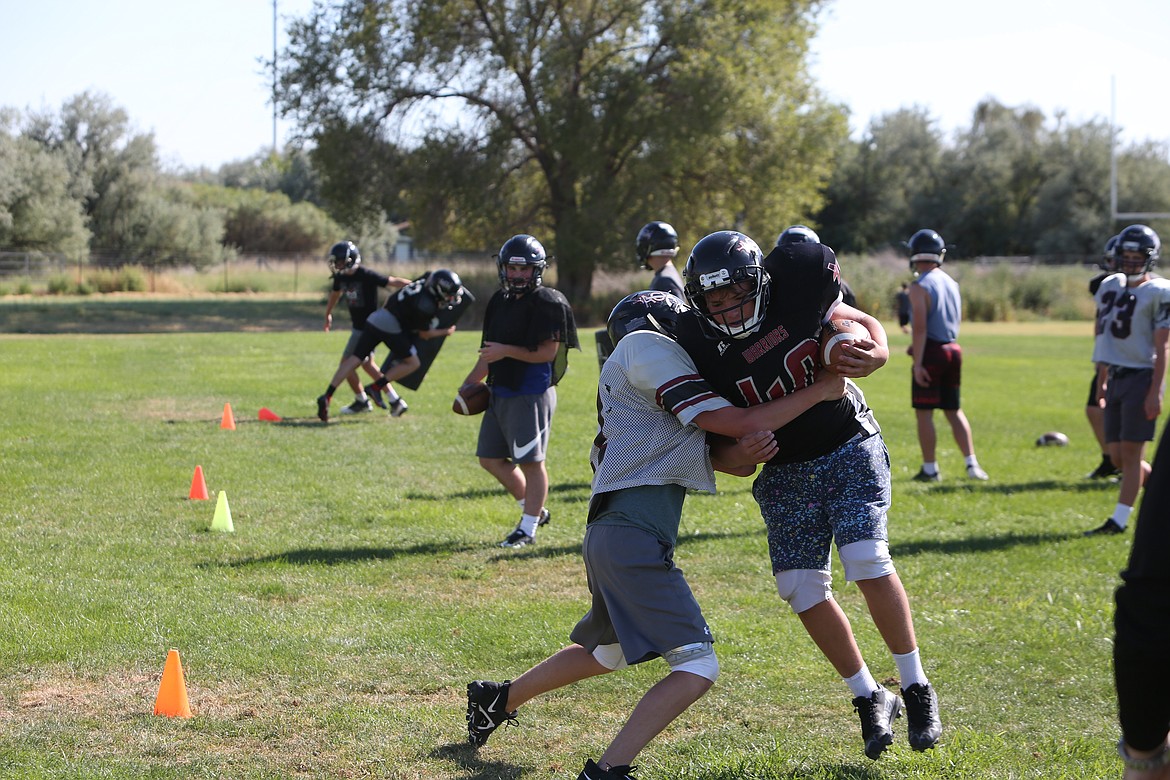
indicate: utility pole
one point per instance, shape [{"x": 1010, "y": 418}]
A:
[{"x": 273, "y": 77}]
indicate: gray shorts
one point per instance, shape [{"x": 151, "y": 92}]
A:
[
  {"x": 840, "y": 497},
  {"x": 640, "y": 598},
  {"x": 1125, "y": 405},
  {"x": 517, "y": 428},
  {"x": 354, "y": 337}
]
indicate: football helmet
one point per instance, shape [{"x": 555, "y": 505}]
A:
[
  {"x": 798, "y": 234},
  {"x": 926, "y": 245},
  {"x": 722, "y": 260},
  {"x": 1137, "y": 238},
  {"x": 522, "y": 250},
  {"x": 1109, "y": 256},
  {"x": 656, "y": 238},
  {"x": 343, "y": 256},
  {"x": 645, "y": 310},
  {"x": 446, "y": 287}
]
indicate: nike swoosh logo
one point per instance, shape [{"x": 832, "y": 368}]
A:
[
  {"x": 520, "y": 451},
  {"x": 492, "y": 707}
]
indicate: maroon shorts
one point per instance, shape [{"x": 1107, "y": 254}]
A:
[{"x": 944, "y": 363}]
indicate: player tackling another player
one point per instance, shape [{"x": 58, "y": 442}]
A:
[{"x": 650, "y": 449}]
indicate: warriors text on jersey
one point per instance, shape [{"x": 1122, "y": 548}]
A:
[
  {"x": 780, "y": 356},
  {"x": 1126, "y": 320}
]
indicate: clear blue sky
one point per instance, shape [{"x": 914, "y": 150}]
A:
[{"x": 190, "y": 70}]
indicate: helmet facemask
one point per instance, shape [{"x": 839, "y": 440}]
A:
[{"x": 746, "y": 310}]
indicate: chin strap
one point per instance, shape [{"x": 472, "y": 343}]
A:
[{"x": 1156, "y": 761}]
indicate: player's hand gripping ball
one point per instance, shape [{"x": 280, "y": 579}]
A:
[
  {"x": 834, "y": 335},
  {"x": 471, "y": 399}
]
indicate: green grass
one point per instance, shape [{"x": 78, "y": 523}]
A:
[{"x": 332, "y": 634}]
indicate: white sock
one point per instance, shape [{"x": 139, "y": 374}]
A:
[
  {"x": 930, "y": 468},
  {"x": 520, "y": 502},
  {"x": 391, "y": 395},
  {"x": 862, "y": 683},
  {"x": 359, "y": 397},
  {"x": 972, "y": 460},
  {"x": 528, "y": 524},
  {"x": 1121, "y": 514},
  {"x": 910, "y": 669}
]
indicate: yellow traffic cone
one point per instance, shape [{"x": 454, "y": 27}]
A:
[{"x": 223, "y": 515}]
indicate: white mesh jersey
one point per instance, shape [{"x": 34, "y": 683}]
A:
[
  {"x": 1126, "y": 320},
  {"x": 648, "y": 394}
]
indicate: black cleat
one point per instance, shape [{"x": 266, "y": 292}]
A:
[
  {"x": 922, "y": 476},
  {"x": 375, "y": 395},
  {"x": 487, "y": 704},
  {"x": 878, "y": 713},
  {"x": 1108, "y": 528},
  {"x": 517, "y": 539},
  {"x": 922, "y": 724},
  {"x": 398, "y": 408},
  {"x": 545, "y": 518},
  {"x": 323, "y": 408},
  {"x": 1106, "y": 470},
  {"x": 593, "y": 772},
  {"x": 357, "y": 407}
]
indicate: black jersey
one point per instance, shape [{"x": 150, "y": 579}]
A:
[
  {"x": 360, "y": 291},
  {"x": 527, "y": 321},
  {"x": 414, "y": 307},
  {"x": 780, "y": 356}
]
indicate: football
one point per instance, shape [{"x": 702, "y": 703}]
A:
[
  {"x": 472, "y": 399},
  {"x": 834, "y": 334},
  {"x": 1052, "y": 439}
]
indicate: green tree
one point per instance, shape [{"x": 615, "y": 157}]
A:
[
  {"x": 576, "y": 120},
  {"x": 255, "y": 221},
  {"x": 37, "y": 211}
]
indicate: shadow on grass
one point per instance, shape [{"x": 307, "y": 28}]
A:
[
  {"x": 317, "y": 556},
  {"x": 495, "y": 490},
  {"x": 467, "y": 758},
  {"x": 1011, "y": 488},
  {"x": 979, "y": 544}
]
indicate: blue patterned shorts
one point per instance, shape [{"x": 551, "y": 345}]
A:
[{"x": 843, "y": 497}]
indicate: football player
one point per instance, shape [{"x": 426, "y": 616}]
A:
[
  {"x": 359, "y": 286},
  {"x": 1130, "y": 350},
  {"x": 650, "y": 449},
  {"x": 754, "y": 336},
  {"x": 528, "y": 329},
  {"x": 936, "y": 312},
  {"x": 408, "y": 315},
  {"x": 1095, "y": 406}
]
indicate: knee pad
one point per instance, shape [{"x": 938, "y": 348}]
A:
[
  {"x": 803, "y": 589},
  {"x": 697, "y": 658},
  {"x": 610, "y": 656},
  {"x": 866, "y": 560}
]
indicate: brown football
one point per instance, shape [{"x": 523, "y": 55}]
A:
[
  {"x": 471, "y": 399},
  {"x": 834, "y": 334}
]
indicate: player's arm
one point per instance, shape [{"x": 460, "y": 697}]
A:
[
  {"x": 478, "y": 372},
  {"x": 736, "y": 422},
  {"x": 919, "y": 304},
  {"x": 545, "y": 352},
  {"x": 397, "y": 282},
  {"x": 1158, "y": 380},
  {"x": 862, "y": 357},
  {"x": 740, "y": 457},
  {"x": 334, "y": 297}
]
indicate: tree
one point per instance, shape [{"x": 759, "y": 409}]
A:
[
  {"x": 576, "y": 120},
  {"x": 37, "y": 211}
]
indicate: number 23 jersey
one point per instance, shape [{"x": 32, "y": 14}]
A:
[{"x": 780, "y": 356}]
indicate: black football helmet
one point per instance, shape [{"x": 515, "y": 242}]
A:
[
  {"x": 726, "y": 259},
  {"x": 446, "y": 287},
  {"x": 1137, "y": 238},
  {"x": 1109, "y": 255},
  {"x": 926, "y": 245},
  {"x": 521, "y": 249},
  {"x": 656, "y": 238},
  {"x": 645, "y": 310},
  {"x": 343, "y": 256},
  {"x": 798, "y": 234}
]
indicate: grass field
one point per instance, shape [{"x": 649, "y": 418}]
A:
[{"x": 333, "y": 633}]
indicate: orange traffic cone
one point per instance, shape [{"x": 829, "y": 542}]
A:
[
  {"x": 268, "y": 415},
  {"x": 172, "y": 691},
  {"x": 229, "y": 422},
  {"x": 198, "y": 486}
]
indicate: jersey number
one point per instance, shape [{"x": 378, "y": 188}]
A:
[
  {"x": 1121, "y": 308},
  {"x": 800, "y": 364}
]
